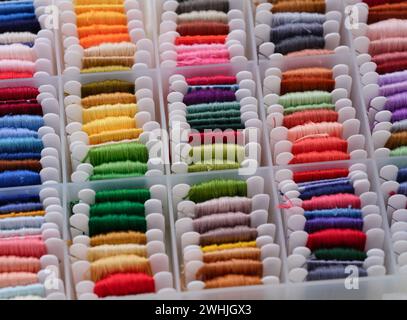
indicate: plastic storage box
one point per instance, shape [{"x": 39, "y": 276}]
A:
[{"x": 393, "y": 285}]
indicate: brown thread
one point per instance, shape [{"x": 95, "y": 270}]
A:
[
  {"x": 119, "y": 238},
  {"x": 398, "y": 139},
  {"x": 202, "y": 28},
  {"x": 90, "y": 62},
  {"x": 307, "y": 84},
  {"x": 32, "y": 165},
  {"x": 315, "y": 6},
  {"x": 323, "y": 73},
  {"x": 241, "y": 267},
  {"x": 106, "y": 86},
  {"x": 232, "y": 280},
  {"x": 229, "y": 254}
]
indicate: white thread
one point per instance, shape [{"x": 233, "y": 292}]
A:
[
  {"x": 17, "y": 37},
  {"x": 17, "y": 66},
  {"x": 203, "y": 15},
  {"x": 126, "y": 49},
  {"x": 17, "y": 51}
]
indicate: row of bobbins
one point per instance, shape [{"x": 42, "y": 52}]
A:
[
  {"x": 298, "y": 28},
  {"x": 29, "y": 136},
  {"x": 309, "y": 112},
  {"x": 31, "y": 247},
  {"x": 393, "y": 180},
  {"x": 224, "y": 234},
  {"x": 26, "y": 43},
  {"x": 102, "y": 36},
  {"x": 112, "y": 132},
  {"x": 118, "y": 246},
  {"x": 214, "y": 121},
  {"x": 197, "y": 32},
  {"x": 332, "y": 223},
  {"x": 381, "y": 46}
]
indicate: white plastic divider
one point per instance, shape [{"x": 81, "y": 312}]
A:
[{"x": 45, "y": 64}]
